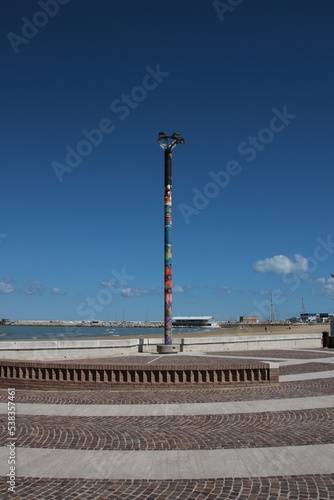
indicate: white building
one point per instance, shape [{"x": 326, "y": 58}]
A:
[
  {"x": 250, "y": 320},
  {"x": 194, "y": 321}
]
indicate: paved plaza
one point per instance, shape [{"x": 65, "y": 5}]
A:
[{"x": 257, "y": 443}]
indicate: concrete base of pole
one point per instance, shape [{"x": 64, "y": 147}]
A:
[{"x": 168, "y": 349}]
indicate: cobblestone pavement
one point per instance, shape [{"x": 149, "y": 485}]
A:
[
  {"x": 298, "y": 389},
  {"x": 265, "y": 430},
  {"x": 195, "y": 432},
  {"x": 305, "y": 367},
  {"x": 313, "y": 487}
]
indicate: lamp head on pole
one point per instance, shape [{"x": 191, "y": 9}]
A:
[{"x": 169, "y": 141}]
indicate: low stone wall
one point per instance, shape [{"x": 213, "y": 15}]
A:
[
  {"x": 251, "y": 342},
  {"x": 238, "y": 343},
  {"x": 72, "y": 376},
  {"x": 66, "y": 349},
  {"x": 83, "y": 349}
]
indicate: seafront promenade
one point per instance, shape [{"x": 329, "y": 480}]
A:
[{"x": 274, "y": 442}]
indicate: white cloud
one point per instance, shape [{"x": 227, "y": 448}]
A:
[
  {"x": 178, "y": 289},
  {"x": 327, "y": 289},
  {"x": 4, "y": 288},
  {"x": 281, "y": 264},
  {"x": 223, "y": 289},
  {"x": 111, "y": 284},
  {"x": 8, "y": 279},
  {"x": 134, "y": 292},
  {"x": 328, "y": 286},
  {"x": 35, "y": 288}
]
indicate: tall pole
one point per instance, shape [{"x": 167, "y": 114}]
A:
[
  {"x": 168, "y": 290},
  {"x": 168, "y": 143}
]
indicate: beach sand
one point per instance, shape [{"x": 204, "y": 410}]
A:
[
  {"x": 259, "y": 330},
  {"x": 231, "y": 331}
]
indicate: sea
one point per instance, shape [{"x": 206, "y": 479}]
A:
[{"x": 21, "y": 332}]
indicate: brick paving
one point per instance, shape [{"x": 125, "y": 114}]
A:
[
  {"x": 277, "y": 354},
  {"x": 171, "y": 359},
  {"x": 312, "y": 487},
  {"x": 298, "y": 389},
  {"x": 306, "y": 368},
  {"x": 190, "y": 432},
  {"x": 195, "y": 432}
]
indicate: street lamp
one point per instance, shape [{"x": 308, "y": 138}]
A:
[{"x": 168, "y": 142}]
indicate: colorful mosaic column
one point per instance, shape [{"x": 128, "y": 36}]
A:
[
  {"x": 168, "y": 247},
  {"x": 168, "y": 142}
]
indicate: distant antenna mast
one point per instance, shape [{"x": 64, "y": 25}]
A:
[
  {"x": 271, "y": 308},
  {"x": 303, "y": 308}
]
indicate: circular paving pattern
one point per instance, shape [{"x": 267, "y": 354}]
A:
[
  {"x": 194, "y": 432},
  {"x": 302, "y": 388},
  {"x": 243, "y": 488},
  {"x": 232, "y": 431}
]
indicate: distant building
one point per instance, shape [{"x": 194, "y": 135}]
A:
[
  {"x": 308, "y": 317},
  {"x": 249, "y": 320},
  {"x": 315, "y": 317},
  {"x": 194, "y": 321},
  {"x": 322, "y": 317}
]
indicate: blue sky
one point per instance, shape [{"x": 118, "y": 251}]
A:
[{"x": 87, "y": 86}]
